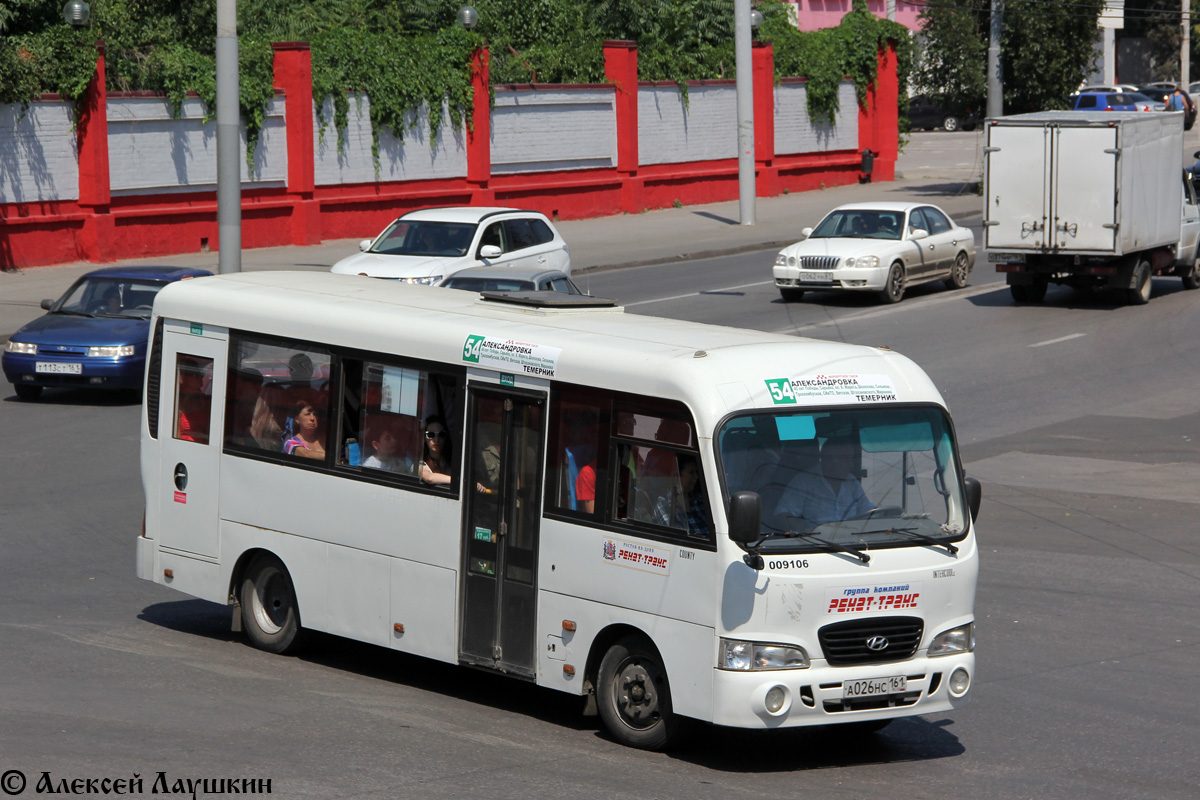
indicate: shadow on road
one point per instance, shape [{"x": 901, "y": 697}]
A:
[
  {"x": 99, "y": 398},
  {"x": 724, "y": 749}
]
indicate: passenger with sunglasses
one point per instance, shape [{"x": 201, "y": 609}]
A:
[{"x": 435, "y": 468}]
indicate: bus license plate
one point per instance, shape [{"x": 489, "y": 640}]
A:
[
  {"x": 58, "y": 368},
  {"x": 874, "y": 686},
  {"x": 816, "y": 277}
]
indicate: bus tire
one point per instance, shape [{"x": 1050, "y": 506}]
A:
[
  {"x": 270, "y": 615},
  {"x": 633, "y": 696}
]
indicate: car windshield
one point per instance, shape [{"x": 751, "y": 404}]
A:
[
  {"x": 858, "y": 223},
  {"x": 425, "y": 238},
  {"x": 110, "y": 297},
  {"x": 847, "y": 480}
]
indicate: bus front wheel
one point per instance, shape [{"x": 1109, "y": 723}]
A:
[
  {"x": 634, "y": 698},
  {"x": 270, "y": 615}
]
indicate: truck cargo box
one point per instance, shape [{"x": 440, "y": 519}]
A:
[{"x": 1084, "y": 183}]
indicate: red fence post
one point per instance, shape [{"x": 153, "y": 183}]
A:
[
  {"x": 620, "y": 69},
  {"x": 766, "y": 174},
  {"x": 479, "y": 135},
  {"x": 293, "y": 75},
  {"x": 91, "y": 136}
]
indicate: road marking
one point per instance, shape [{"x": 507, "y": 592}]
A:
[
  {"x": 899, "y": 307},
  {"x": 1059, "y": 339},
  {"x": 697, "y": 294}
]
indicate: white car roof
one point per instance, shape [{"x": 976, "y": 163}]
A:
[
  {"x": 467, "y": 214},
  {"x": 886, "y": 205}
]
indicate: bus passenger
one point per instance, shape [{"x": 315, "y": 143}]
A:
[
  {"x": 384, "y": 449},
  {"x": 304, "y": 441},
  {"x": 833, "y": 495},
  {"x": 684, "y": 507},
  {"x": 435, "y": 468}
]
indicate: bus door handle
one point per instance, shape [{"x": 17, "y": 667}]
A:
[
  {"x": 503, "y": 528},
  {"x": 181, "y": 476}
]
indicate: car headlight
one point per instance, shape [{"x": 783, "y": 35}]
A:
[
  {"x": 755, "y": 656},
  {"x": 781, "y": 260},
  {"x": 955, "y": 640},
  {"x": 863, "y": 261},
  {"x": 110, "y": 352},
  {"x": 431, "y": 280},
  {"x": 21, "y": 347}
]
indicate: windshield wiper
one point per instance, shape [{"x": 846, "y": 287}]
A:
[
  {"x": 829, "y": 546},
  {"x": 912, "y": 532}
]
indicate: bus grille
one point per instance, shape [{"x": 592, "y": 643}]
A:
[
  {"x": 845, "y": 643},
  {"x": 818, "y": 262}
]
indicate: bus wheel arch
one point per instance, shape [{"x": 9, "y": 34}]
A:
[
  {"x": 632, "y": 690},
  {"x": 269, "y": 610}
]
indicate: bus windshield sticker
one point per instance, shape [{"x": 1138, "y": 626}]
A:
[
  {"x": 846, "y": 388},
  {"x": 509, "y": 354},
  {"x": 638, "y": 556},
  {"x": 873, "y": 598}
]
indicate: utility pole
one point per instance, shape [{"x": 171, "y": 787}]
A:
[
  {"x": 1185, "y": 49},
  {"x": 743, "y": 63},
  {"x": 995, "y": 82},
  {"x": 229, "y": 172}
]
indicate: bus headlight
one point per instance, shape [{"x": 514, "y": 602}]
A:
[
  {"x": 960, "y": 682},
  {"x": 955, "y": 640},
  {"x": 755, "y": 656},
  {"x": 110, "y": 352}
]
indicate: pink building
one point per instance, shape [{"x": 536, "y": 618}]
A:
[{"x": 813, "y": 15}]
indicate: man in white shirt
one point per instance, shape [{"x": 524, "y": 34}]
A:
[{"x": 832, "y": 495}]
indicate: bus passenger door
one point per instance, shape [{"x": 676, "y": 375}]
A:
[
  {"x": 502, "y": 490},
  {"x": 190, "y": 430}
]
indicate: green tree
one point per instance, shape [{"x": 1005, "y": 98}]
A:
[
  {"x": 953, "y": 50},
  {"x": 1047, "y": 49}
]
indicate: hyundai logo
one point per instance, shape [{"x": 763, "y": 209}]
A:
[{"x": 877, "y": 643}]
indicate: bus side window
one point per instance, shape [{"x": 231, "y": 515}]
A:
[{"x": 193, "y": 398}]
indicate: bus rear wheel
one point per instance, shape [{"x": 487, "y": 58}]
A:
[
  {"x": 633, "y": 696},
  {"x": 270, "y": 615}
]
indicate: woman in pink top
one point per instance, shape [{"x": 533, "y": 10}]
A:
[{"x": 304, "y": 442}]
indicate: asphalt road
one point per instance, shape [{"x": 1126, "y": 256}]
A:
[{"x": 1080, "y": 416}]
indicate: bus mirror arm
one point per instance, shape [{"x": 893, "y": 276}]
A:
[{"x": 745, "y": 525}]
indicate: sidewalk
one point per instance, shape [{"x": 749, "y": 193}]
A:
[{"x": 660, "y": 236}]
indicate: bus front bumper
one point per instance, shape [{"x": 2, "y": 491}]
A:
[{"x": 815, "y": 696}]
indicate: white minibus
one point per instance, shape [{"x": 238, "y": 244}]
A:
[{"x": 671, "y": 520}]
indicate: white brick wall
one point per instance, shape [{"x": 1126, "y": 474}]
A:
[
  {"x": 795, "y": 131},
  {"x": 669, "y": 133},
  {"x": 412, "y": 160},
  {"x": 150, "y": 152},
  {"x": 536, "y": 130},
  {"x": 38, "y": 160}
]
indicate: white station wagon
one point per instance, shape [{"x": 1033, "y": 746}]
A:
[
  {"x": 431, "y": 244},
  {"x": 876, "y": 247}
]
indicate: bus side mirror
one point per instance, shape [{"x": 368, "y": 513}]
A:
[
  {"x": 745, "y": 517},
  {"x": 974, "y": 496}
]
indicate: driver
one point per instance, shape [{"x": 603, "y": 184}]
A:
[{"x": 832, "y": 495}]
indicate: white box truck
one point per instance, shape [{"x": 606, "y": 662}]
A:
[{"x": 1089, "y": 199}]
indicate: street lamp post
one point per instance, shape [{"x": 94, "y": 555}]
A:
[
  {"x": 229, "y": 173},
  {"x": 743, "y": 23}
]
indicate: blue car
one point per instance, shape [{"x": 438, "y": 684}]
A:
[
  {"x": 1113, "y": 101},
  {"x": 94, "y": 336}
]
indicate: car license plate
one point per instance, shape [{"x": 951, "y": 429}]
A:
[
  {"x": 816, "y": 277},
  {"x": 875, "y": 686},
  {"x": 1006, "y": 258},
  {"x": 60, "y": 368}
]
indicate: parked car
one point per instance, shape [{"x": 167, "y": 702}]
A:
[
  {"x": 1113, "y": 101},
  {"x": 432, "y": 244},
  {"x": 877, "y": 247},
  {"x": 937, "y": 111},
  {"x": 95, "y": 335},
  {"x": 511, "y": 279},
  {"x": 1118, "y": 87}
]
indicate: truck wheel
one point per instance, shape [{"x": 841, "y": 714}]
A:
[
  {"x": 959, "y": 272},
  {"x": 1139, "y": 295},
  {"x": 893, "y": 290},
  {"x": 950, "y": 123},
  {"x": 270, "y": 615},
  {"x": 791, "y": 295},
  {"x": 633, "y": 696},
  {"x": 1191, "y": 278}
]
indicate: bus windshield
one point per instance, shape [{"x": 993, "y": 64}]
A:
[{"x": 846, "y": 480}]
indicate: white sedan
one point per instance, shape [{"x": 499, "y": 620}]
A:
[{"x": 877, "y": 247}]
